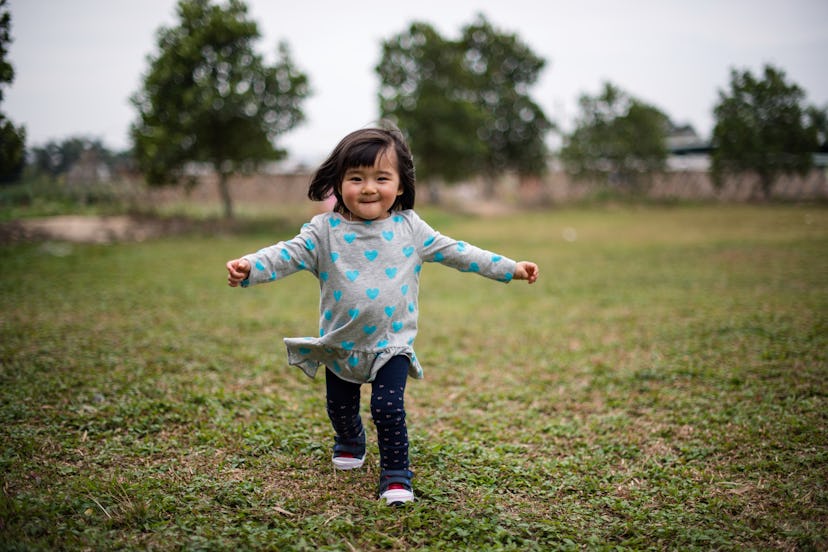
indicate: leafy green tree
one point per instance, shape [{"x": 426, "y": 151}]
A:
[
  {"x": 422, "y": 90},
  {"x": 12, "y": 138},
  {"x": 502, "y": 69},
  {"x": 617, "y": 137},
  {"x": 464, "y": 103},
  {"x": 208, "y": 97},
  {"x": 763, "y": 126}
]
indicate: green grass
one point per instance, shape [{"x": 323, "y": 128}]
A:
[{"x": 664, "y": 386}]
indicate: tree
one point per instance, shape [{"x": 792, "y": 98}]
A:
[
  {"x": 618, "y": 136},
  {"x": 464, "y": 103},
  {"x": 422, "y": 90},
  {"x": 764, "y": 127},
  {"x": 210, "y": 98},
  {"x": 502, "y": 68},
  {"x": 12, "y": 138}
]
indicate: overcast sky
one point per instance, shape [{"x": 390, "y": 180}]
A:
[{"x": 78, "y": 61}]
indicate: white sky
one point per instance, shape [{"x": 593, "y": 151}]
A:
[{"x": 77, "y": 62}]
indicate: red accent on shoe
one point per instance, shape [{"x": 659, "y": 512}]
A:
[
  {"x": 344, "y": 455},
  {"x": 396, "y": 487}
]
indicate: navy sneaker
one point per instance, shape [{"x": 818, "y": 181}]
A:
[
  {"x": 349, "y": 454},
  {"x": 395, "y": 487}
]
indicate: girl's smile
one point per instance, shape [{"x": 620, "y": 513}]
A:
[{"x": 369, "y": 192}]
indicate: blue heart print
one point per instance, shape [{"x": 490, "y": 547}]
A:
[
  {"x": 411, "y": 307},
  {"x": 328, "y": 314},
  {"x": 369, "y": 329},
  {"x": 473, "y": 267},
  {"x": 429, "y": 241},
  {"x": 382, "y": 343},
  {"x": 438, "y": 257},
  {"x": 398, "y": 218},
  {"x": 304, "y": 351},
  {"x": 352, "y": 275},
  {"x": 334, "y": 222},
  {"x": 350, "y": 237},
  {"x": 496, "y": 258},
  {"x": 273, "y": 276},
  {"x": 284, "y": 254},
  {"x": 391, "y": 272},
  {"x": 408, "y": 250},
  {"x": 259, "y": 265},
  {"x": 324, "y": 276},
  {"x": 389, "y": 311},
  {"x": 461, "y": 246},
  {"x": 404, "y": 289},
  {"x": 348, "y": 345},
  {"x": 372, "y": 293},
  {"x": 388, "y": 235},
  {"x": 334, "y": 256},
  {"x": 353, "y": 313},
  {"x": 396, "y": 326},
  {"x": 353, "y": 361},
  {"x": 309, "y": 245},
  {"x": 337, "y": 295},
  {"x": 371, "y": 254}
]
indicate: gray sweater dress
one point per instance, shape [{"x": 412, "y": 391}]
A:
[{"x": 369, "y": 274}]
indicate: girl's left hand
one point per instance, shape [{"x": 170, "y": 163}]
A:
[{"x": 526, "y": 270}]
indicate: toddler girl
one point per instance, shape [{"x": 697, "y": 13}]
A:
[{"x": 367, "y": 255}]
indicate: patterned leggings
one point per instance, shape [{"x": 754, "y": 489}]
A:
[{"x": 387, "y": 411}]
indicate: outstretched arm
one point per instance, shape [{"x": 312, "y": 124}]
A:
[{"x": 526, "y": 270}]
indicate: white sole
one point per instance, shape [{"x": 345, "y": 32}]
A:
[
  {"x": 344, "y": 463},
  {"x": 397, "y": 496}
]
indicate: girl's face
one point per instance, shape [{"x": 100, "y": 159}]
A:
[{"x": 370, "y": 192}]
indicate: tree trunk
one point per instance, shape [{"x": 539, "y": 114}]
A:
[
  {"x": 224, "y": 192},
  {"x": 489, "y": 185},
  {"x": 766, "y": 181}
]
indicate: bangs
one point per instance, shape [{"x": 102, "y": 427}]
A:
[
  {"x": 363, "y": 154},
  {"x": 363, "y": 148}
]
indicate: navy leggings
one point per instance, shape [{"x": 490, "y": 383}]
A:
[{"x": 387, "y": 411}]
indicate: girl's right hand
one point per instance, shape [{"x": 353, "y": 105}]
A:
[{"x": 238, "y": 270}]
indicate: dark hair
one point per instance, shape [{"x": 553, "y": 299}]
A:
[{"x": 361, "y": 149}]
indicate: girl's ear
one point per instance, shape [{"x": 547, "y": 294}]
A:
[{"x": 400, "y": 192}]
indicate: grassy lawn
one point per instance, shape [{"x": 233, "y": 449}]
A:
[{"x": 664, "y": 386}]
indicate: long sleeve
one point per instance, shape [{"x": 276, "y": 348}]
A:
[
  {"x": 435, "y": 247},
  {"x": 285, "y": 258}
]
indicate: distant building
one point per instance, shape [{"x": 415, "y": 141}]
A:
[{"x": 688, "y": 151}]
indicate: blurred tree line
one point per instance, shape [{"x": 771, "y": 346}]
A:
[
  {"x": 56, "y": 158},
  {"x": 209, "y": 98}
]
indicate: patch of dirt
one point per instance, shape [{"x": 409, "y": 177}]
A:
[{"x": 90, "y": 229}]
